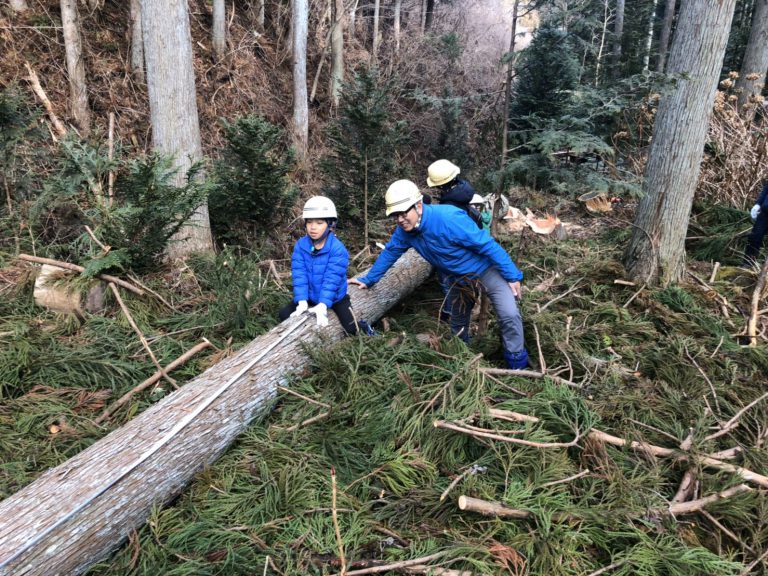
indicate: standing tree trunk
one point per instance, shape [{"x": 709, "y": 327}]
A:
[
  {"x": 649, "y": 38},
  {"x": 75, "y": 514},
  {"x": 656, "y": 251},
  {"x": 260, "y": 15},
  {"x": 73, "y": 46},
  {"x": 618, "y": 33},
  {"x": 429, "y": 13},
  {"x": 375, "y": 47},
  {"x": 603, "y": 33},
  {"x": 219, "y": 30},
  {"x": 137, "y": 42},
  {"x": 352, "y": 18},
  {"x": 337, "y": 52},
  {"x": 752, "y": 75},
  {"x": 398, "y": 11},
  {"x": 666, "y": 33},
  {"x": 300, "y": 129},
  {"x": 173, "y": 106},
  {"x": 19, "y": 5}
]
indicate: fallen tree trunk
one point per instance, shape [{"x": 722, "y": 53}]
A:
[{"x": 77, "y": 513}]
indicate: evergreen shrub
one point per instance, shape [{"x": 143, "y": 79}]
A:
[{"x": 252, "y": 190}]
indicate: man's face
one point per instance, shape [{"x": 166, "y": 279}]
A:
[{"x": 408, "y": 219}]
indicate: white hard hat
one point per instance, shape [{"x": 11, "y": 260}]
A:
[
  {"x": 441, "y": 172},
  {"x": 401, "y": 195},
  {"x": 477, "y": 199},
  {"x": 319, "y": 207}
]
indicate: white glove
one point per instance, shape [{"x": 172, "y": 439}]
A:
[
  {"x": 300, "y": 309},
  {"x": 321, "y": 311},
  {"x": 755, "y": 211}
]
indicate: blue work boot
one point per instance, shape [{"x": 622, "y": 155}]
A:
[
  {"x": 365, "y": 328},
  {"x": 516, "y": 360}
]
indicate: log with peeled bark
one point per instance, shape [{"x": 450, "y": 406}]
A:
[{"x": 77, "y": 513}]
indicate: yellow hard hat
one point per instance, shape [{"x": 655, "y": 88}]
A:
[
  {"x": 441, "y": 172},
  {"x": 401, "y": 195}
]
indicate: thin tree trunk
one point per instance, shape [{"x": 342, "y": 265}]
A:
[
  {"x": 398, "y": 11},
  {"x": 137, "y": 42},
  {"x": 260, "y": 15},
  {"x": 753, "y": 68},
  {"x": 429, "y": 15},
  {"x": 77, "y": 513},
  {"x": 375, "y": 47},
  {"x": 337, "y": 52},
  {"x": 649, "y": 38},
  {"x": 618, "y": 33},
  {"x": 73, "y": 46},
  {"x": 19, "y": 5},
  {"x": 602, "y": 41},
  {"x": 666, "y": 33},
  {"x": 219, "y": 30},
  {"x": 423, "y": 23},
  {"x": 352, "y": 18},
  {"x": 300, "y": 129},
  {"x": 656, "y": 252},
  {"x": 173, "y": 106}
]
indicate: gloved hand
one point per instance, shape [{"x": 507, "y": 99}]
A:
[
  {"x": 755, "y": 211},
  {"x": 321, "y": 311},
  {"x": 300, "y": 309}
]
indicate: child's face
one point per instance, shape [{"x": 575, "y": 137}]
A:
[{"x": 316, "y": 227}]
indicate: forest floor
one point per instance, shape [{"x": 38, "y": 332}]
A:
[{"x": 419, "y": 424}]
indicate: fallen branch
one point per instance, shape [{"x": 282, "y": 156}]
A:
[
  {"x": 139, "y": 333},
  {"x": 336, "y": 528},
  {"x": 151, "y": 380},
  {"x": 529, "y": 374},
  {"x": 491, "y": 436},
  {"x": 734, "y": 422},
  {"x": 487, "y": 508},
  {"x": 753, "y": 314},
  {"x": 307, "y": 421},
  {"x": 40, "y": 93},
  {"x": 76, "y": 268},
  {"x": 395, "y": 565},
  {"x": 474, "y": 469},
  {"x": 561, "y": 296}
]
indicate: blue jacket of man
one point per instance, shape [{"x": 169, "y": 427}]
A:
[
  {"x": 449, "y": 240},
  {"x": 319, "y": 275}
]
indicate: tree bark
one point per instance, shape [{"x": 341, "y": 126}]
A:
[
  {"x": 666, "y": 33},
  {"x": 300, "y": 130},
  {"x": 137, "y": 43},
  {"x": 173, "y": 106},
  {"x": 649, "y": 37},
  {"x": 396, "y": 27},
  {"x": 219, "y": 30},
  {"x": 429, "y": 13},
  {"x": 77, "y": 513},
  {"x": 618, "y": 33},
  {"x": 337, "y": 52},
  {"x": 73, "y": 46},
  {"x": 656, "y": 251},
  {"x": 375, "y": 46},
  {"x": 260, "y": 14},
  {"x": 19, "y": 5},
  {"x": 753, "y": 68}
]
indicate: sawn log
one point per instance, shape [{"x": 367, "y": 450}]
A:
[{"x": 78, "y": 512}]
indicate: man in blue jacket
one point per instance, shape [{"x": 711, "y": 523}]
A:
[
  {"x": 759, "y": 214},
  {"x": 449, "y": 240}
]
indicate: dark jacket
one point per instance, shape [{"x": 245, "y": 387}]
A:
[
  {"x": 319, "y": 275},
  {"x": 459, "y": 194},
  {"x": 762, "y": 200},
  {"x": 450, "y": 241}
]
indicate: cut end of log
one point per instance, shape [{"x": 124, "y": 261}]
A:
[{"x": 462, "y": 502}]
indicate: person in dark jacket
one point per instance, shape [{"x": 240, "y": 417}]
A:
[
  {"x": 759, "y": 214},
  {"x": 444, "y": 175},
  {"x": 319, "y": 270},
  {"x": 448, "y": 239}
]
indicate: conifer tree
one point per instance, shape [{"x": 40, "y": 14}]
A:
[{"x": 364, "y": 143}]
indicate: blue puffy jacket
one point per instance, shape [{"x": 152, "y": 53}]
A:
[
  {"x": 319, "y": 275},
  {"x": 449, "y": 240}
]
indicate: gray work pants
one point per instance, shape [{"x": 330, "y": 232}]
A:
[{"x": 462, "y": 295}]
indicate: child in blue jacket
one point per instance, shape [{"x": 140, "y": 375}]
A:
[{"x": 319, "y": 270}]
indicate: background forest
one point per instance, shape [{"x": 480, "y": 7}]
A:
[{"x": 170, "y": 145}]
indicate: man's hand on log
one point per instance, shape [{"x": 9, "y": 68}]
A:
[{"x": 357, "y": 283}]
